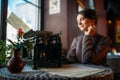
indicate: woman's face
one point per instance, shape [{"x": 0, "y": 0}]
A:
[{"x": 83, "y": 23}]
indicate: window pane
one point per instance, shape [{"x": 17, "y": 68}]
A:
[
  {"x": 27, "y": 11},
  {"x": 91, "y": 4}
]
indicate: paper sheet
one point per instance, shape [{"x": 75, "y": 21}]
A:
[{"x": 17, "y": 23}]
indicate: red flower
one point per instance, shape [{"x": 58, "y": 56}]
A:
[
  {"x": 20, "y": 32},
  {"x": 20, "y": 41}
]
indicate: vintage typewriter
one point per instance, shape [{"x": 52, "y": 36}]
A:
[{"x": 47, "y": 49}]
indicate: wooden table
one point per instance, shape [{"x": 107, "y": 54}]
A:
[{"x": 66, "y": 72}]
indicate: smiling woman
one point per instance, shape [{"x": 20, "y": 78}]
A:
[{"x": 90, "y": 47}]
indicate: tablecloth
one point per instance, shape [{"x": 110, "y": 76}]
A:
[{"x": 29, "y": 74}]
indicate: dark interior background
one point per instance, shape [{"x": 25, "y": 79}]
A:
[
  {"x": 65, "y": 21},
  {"x": 112, "y": 8}
]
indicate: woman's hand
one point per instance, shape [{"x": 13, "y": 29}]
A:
[{"x": 90, "y": 31}]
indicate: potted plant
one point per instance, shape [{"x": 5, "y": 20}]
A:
[
  {"x": 16, "y": 64},
  {"x": 3, "y": 53}
]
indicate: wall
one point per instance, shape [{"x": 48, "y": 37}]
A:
[
  {"x": 63, "y": 21},
  {"x": 102, "y": 24},
  {"x": 56, "y": 22}
]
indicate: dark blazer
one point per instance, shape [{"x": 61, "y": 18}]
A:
[{"x": 89, "y": 50}]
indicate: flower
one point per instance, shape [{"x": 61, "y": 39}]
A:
[{"x": 21, "y": 42}]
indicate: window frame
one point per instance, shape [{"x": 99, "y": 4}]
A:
[{"x": 3, "y": 17}]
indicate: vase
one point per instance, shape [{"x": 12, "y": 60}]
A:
[{"x": 15, "y": 64}]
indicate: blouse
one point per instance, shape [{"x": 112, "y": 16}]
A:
[{"x": 89, "y": 50}]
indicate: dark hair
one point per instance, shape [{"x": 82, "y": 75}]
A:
[{"x": 89, "y": 13}]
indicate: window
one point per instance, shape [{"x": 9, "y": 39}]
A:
[
  {"x": 85, "y": 4},
  {"x": 91, "y": 4},
  {"x": 80, "y": 5},
  {"x": 28, "y": 11}
]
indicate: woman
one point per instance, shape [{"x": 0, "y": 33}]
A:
[{"x": 90, "y": 47}]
